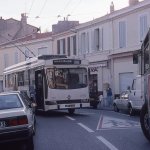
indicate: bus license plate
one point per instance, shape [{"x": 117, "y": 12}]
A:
[
  {"x": 70, "y": 105},
  {"x": 2, "y": 124}
]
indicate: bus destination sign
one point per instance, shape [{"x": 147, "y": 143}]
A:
[{"x": 66, "y": 62}]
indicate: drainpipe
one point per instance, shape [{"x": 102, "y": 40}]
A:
[{"x": 112, "y": 60}]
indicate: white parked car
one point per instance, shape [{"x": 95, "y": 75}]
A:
[
  {"x": 129, "y": 100},
  {"x": 17, "y": 119}
]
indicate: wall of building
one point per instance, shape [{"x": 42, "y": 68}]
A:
[
  {"x": 123, "y": 65},
  {"x": 132, "y": 20},
  {"x": 119, "y": 59},
  {"x": 33, "y": 46},
  {"x": 109, "y": 25}
]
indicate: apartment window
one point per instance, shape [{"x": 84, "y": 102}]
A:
[
  {"x": 6, "y": 60},
  {"x": 101, "y": 39},
  {"x": 83, "y": 40},
  {"x": 74, "y": 45},
  {"x": 64, "y": 46},
  {"x": 26, "y": 54},
  {"x": 68, "y": 45},
  {"x": 87, "y": 42},
  {"x": 61, "y": 47},
  {"x": 21, "y": 78},
  {"x": 58, "y": 47},
  {"x": 43, "y": 51},
  {"x": 143, "y": 26},
  {"x": 122, "y": 34},
  {"x": 16, "y": 58},
  {"x": 96, "y": 39}
]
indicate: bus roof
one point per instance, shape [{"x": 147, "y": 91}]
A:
[
  {"x": 40, "y": 61},
  {"x": 47, "y": 57}
]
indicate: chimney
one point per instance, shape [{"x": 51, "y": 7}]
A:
[
  {"x": 24, "y": 24},
  {"x": 112, "y": 8},
  {"x": 23, "y": 19},
  {"x": 133, "y": 2}
]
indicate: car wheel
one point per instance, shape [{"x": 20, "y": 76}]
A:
[
  {"x": 71, "y": 111},
  {"x": 130, "y": 110},
  {"x": 144, "y": 121},
  {"x": 116, "y": 108}
]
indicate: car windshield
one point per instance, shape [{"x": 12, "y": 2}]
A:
[{"x": 9, "y": 101}]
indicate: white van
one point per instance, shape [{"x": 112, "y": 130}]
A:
[
  {"x": 131, "y": 99},
  {"x": 137, "y": 92}
]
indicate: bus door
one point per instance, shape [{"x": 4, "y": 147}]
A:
[{"x": 39, "y": 89}]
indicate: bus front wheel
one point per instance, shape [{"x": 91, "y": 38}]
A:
[
  {"x": 71, "y": 111},
  {"x": 144, "y": 121}
]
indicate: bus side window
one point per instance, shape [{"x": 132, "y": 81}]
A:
[
  {"x": 50, "y": 77},
  {"x": 146, "y": 60},
  {"x": 20, "y": 78}
]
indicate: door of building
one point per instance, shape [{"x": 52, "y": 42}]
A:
[
  {"x": 93, "y": 85},
  {"x": 125, "y": 80}
]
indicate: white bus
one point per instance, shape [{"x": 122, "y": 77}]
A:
[
  {"x": 144, "y": 65},
  {"x": 54, "y": 81}
]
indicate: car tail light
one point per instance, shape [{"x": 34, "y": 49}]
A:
[
  {"x": 13, "y": 122},
  {"x": 21, "y": 120}
]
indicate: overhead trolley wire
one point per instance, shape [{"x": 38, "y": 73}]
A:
[
  {"x": 67, "y": 4},
  {"x": 14, "y": 45},
  {"x": 42, "y": 7},
  {"x": 31, "y": 6},
  {"x": 23, "y": 45},
  {"x": 18, "y": 46},
  {"x": 76, "y": 6}
]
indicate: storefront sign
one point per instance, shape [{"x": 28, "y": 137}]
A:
[
  {"x": 66, "y": 62},
  {"x": 93, "y": 69},
  {"x": 94, "y": 66}
]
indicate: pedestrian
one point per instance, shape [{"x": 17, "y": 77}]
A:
[{"x": 109, "y": 96}]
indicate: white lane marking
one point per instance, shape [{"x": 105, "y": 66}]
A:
[
  {"x": 85, "y": 127},
  {"x": 125, "y": 128},
  {"x": 107, "y": 143},
  {"x": 70, "y": 118},
  {"x": 106, "y": 122},
  {"x": 100, "y": 122}
]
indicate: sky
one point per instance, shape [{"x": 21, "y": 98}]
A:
[{"x": 45, "y": 13}]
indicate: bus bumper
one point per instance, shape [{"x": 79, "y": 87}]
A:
[{"x": 66, "y": 106}]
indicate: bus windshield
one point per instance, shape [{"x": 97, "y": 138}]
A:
[{"x": 66, "y": 78}]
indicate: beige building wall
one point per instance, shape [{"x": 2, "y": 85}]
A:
[
  {"x": 123, "y": 65},
  {"x": 110, "y": 51},
  {"x": 110, "y": 60},
  {"x": 61, "y": 36},
  {"x": 33, "y": 45}
]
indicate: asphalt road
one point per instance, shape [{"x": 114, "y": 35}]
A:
[{"x": 88, "y": 129}]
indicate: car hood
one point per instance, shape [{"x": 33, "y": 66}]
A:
[{"x": 12, "y": 112}]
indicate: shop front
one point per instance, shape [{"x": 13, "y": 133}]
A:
[{"x": 98, "y": 78}]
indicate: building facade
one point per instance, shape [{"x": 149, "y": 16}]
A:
[
  {"x": 11, "y": 29},
  {"x": 109, "y": 43},
  {"x": 24, "y": 48}
]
